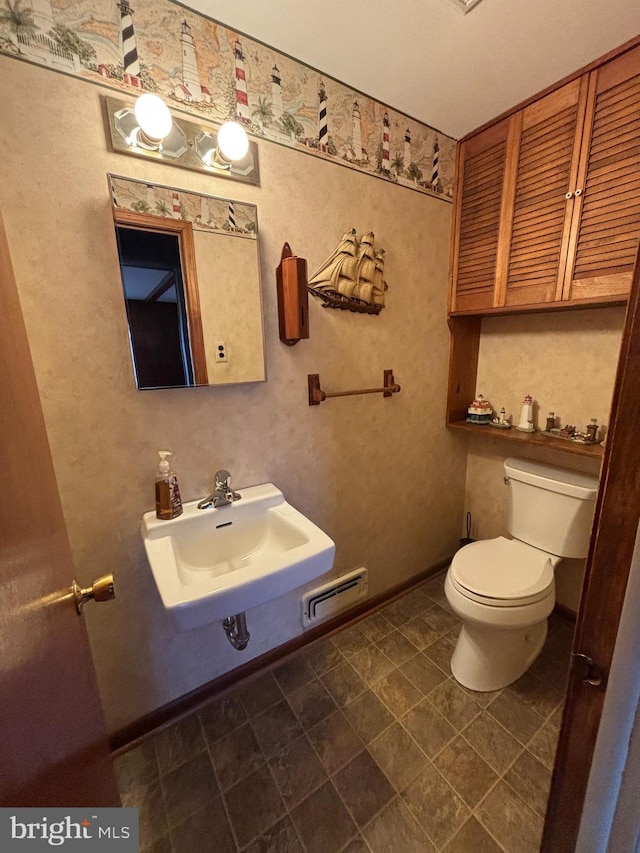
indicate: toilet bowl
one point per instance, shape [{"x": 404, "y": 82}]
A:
[{"x": 502, "y": 589}]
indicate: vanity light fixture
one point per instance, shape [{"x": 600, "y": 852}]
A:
[
  {"x": 147, "y": 128},
  {"x": 219, "y": 151}
]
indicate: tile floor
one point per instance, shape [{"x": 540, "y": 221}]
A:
[{"x": 362, "y": 742}]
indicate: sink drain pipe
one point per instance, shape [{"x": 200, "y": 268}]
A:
[{"x": 235, "y": 627}]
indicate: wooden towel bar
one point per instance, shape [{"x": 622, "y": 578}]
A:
[{"x": 317, "y": 395}]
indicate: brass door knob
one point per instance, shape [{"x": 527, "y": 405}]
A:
[{"x": 102, "y": 589}]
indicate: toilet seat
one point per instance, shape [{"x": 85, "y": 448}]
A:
[{"x": 503, "y": 572}]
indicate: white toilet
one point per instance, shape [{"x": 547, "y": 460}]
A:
[{"x": 504, "y": 589}]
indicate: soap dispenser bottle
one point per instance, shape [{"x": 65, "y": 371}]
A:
[{"x": 168, "y": 501}]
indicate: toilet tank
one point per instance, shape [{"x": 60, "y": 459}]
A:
[{"x": 550, "y": 508}]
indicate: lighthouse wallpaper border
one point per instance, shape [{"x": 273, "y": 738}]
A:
[
  {"x": 205, "y": 69},
  {"x": 204, "y": 212}
]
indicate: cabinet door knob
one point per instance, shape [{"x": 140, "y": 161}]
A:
[
  {"x": 578, "y": 192},
  {"x": 569, "y": 195}
]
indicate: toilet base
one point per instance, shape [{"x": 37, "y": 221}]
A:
[{"x": 490, "y": 658}]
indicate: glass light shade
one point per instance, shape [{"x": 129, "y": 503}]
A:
[
  {"x": 233, "y": 141},
  {"x": 153, "y": 116},
  {"x": 205, "y": 144}
]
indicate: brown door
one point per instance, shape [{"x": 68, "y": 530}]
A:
[
  {"x": 612, "y": 544},
  {"x": 479, "y": 190},
  {"x": 542, "y": 165},
  {"x": 54, "y": 748},
  {"x": 606, "y": 223}
]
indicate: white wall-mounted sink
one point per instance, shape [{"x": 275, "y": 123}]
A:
[{"x": 212, "y": 563}]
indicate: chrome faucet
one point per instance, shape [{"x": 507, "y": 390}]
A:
[{"x": 222, "y": 494}]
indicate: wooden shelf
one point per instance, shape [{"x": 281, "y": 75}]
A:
[
  {"x": 607, "y": 301},
  {"x": 532, "y": 439}
]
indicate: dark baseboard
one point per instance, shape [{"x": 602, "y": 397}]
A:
[
  {"x": 152, "y": 723},
  {"x": 565, "y": 613}
]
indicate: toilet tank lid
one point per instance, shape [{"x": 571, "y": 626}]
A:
[{"x": 560, "y": 480}]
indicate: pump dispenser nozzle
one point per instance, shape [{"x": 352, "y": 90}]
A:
[{"x": 164, "y": 467}]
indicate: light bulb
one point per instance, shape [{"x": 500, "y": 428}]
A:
[
  {"x": 207, "y": 157},
  {"x": 153, "y": 116},
  {"x": 233, "y": 141}
]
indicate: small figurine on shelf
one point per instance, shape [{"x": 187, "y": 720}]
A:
[
  {"x": 479, "y": 411},
  {"x": 590, "y": 436},
  {"x": 526, "y": 417},
  {"x": 570, "y": 433},
  {"x": 501, "y": 421},
  {"x": 592, "y": 430},
  {"x": 551, "y": 422}
]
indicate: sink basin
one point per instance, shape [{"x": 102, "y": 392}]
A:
[{"x": 212, "y": 563}]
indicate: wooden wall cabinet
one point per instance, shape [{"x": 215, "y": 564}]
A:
[
  {"x": 547, "y": 211},
  {"x": 546, "y": 216}
]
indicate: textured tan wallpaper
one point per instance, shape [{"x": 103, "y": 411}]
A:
[
  {"x": 382, "y": 476},
  {"x": 567, "y": 362},
  {"x": 230, "y": 306}
]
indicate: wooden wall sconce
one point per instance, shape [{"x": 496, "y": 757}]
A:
[
  {"x": 317, "y": 395},
  {"x": 293, "y": 299}
]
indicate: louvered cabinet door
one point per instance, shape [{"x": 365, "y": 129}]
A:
[
  {"x": 542, "y": 168},
  {"x": 481, "y": 162},
  {"x": 606, "y": 227}
]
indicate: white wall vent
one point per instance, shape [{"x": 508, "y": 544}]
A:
[{"x": 325, "y": 600}]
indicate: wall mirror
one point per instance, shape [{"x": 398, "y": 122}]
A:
[{"x": 191, "y": 282}]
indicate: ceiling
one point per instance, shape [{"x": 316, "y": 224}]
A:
[{"x": 451, "y": 70}]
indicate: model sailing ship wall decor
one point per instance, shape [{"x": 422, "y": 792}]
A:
[{"x": 352, "y": 277}]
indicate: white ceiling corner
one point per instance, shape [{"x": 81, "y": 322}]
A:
[{"x": 449, "y": 70}]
